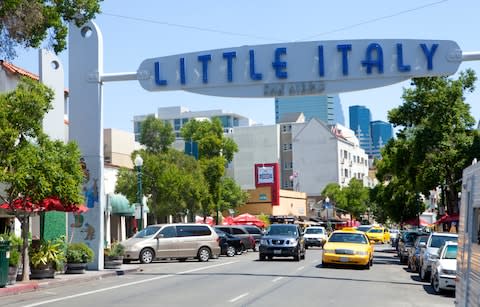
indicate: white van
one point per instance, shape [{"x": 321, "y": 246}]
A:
[{"x": 467, "y": 290}]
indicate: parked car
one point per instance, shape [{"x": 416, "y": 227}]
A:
[
  {"x": 414, "y": 252},
  {"x": 282, "y": 240},
  {"x": 378, "y": 234},
  {"x": 229, "y": 245},
  {"x": 255, "y": 232},
  {"x": 348, "y": 247},
  {"x": 315, "y": 236},
  {"x": 240, "y": 232},
  {"x": 429, "y": 253},
  {"x": 394, "y": 236},
  {"x": 444, "y": 268},
  {"x": 173, "y": 241},
  {"x": 407, "y": 238}
]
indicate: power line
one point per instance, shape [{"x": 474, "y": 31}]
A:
[
  {"x": 176, "y": 25},
  {"x": 374, "y": 20}
]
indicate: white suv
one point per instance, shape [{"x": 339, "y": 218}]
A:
[{"x": 315, "y": 236}]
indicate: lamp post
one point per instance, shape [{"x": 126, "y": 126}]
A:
[{"x": 138, "y": 164}]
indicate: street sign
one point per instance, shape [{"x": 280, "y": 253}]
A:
[{"x": 300, "y": 68}]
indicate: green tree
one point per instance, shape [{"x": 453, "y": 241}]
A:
[
  {"x": 215, "y": 151},
  {"x": 334, "y": 192},
  {"x": 437, "y": 133},
  {"x": 231, "y": 194},
  {"x": 33, "y": 167},
  {"x": 156, "y": 134},
  {"x": 355, "y": 199},
  {"x": 210, "y": 138},
  {"x": 28, "y": 23}
]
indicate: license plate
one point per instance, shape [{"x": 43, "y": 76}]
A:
[
  {"x": 344, "y": 259},
  {"x": 277, "y": 251}
]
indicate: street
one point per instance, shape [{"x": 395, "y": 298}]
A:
[{"x": 245, "y": 281}]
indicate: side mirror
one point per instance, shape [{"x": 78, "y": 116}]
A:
[
  {"x": 422, "y": 244},
  {"x": 372, "y": 242},
  {"x": 159, "y": 236}
]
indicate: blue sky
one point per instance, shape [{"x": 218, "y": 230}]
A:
[{"x": 137, "y": 30}]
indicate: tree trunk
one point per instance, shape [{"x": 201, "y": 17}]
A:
[{"x": 25, "y": 221}]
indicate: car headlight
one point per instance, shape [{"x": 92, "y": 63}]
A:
[
  {"x": 291, "y": 242},
  {"x": 449, "y": 272},
  {"x": 363, "y": 253},
  {"x": 329, "y": 251},
  {"x": 263, "y": 242}
]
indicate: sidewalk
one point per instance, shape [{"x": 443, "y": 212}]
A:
[{"x": 61, "y": 279}]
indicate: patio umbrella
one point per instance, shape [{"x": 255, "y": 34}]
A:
[
  {"x": 48, "y": 204},
  {"x": 228, "y": 221},
  {"x": 201, "y": 220},
  {"x": 248, "y": 219}
]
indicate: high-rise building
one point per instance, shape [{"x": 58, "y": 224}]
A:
[
  {"x": 325, "y": 108},
  {"x": 360, "y": 118},
  {"x": 381, "y": 132}
]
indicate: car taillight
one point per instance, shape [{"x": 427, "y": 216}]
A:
[
  {"x": 251, "y": 239},
  {"x": 218, "y": 240}
]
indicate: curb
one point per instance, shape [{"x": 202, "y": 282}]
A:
[{"x": 61, "y": 279}]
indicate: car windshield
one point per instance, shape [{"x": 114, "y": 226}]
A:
[
  {"x": 437, "y": 241},
  {"x": 451, "y": 252},
  {"x": 314, "y": 230},
  {"x": 348, "y": 238},
  {"x": 363, "y": 228},
  {"x": 282, "y": 230},
  {"x": 375, "y": 230},
  {"x": 147, "y": 232}
]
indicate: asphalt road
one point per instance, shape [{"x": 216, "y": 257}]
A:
[{"x": 245, "y": 281}]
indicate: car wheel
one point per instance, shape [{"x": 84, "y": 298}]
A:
[
  {"x": 306, "y": 246},
  {"x": 422, "y": 273},
  {"x": 325, "y": 265},
  {"x": 261, "y": 257},
  {"x": 240, "y": 250},
  {"x": 204, "y": 254},
  {"x": 436, "y": 284},
  {"x": 146, "y": 256},
  {"x": 297, "y": 255},
  {"x": 230, "y": 251}
]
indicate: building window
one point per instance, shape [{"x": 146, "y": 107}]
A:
[
  {"x": 290, "y": 146},
  {"x": 176, "y": 123}
]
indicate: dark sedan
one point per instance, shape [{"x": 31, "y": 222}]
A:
[{"x": 229, "y": 245}]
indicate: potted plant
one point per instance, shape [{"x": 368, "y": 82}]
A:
[
  {"x": 45, "y": 258},
  {"x": 114, "y": 256},
  {"x": 77, "y": 257}
]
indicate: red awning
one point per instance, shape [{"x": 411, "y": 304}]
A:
[
  {"x": 48, "y": 204},
  {"x": 448, "y": 218}
]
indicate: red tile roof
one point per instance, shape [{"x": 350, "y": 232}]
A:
[{"x": 17, "y": 70}]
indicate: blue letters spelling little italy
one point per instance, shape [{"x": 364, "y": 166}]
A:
[{"x": 373, "y": 62}]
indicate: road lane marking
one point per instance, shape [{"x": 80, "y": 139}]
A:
[
  {"x": 238, "y": 297},
  {"x": 127, "y": 284},
  {"x": 277, "y": 279}
]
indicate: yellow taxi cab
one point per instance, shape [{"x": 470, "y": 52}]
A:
[
  {"x": 348, "y": 247},
  {"x": 378, "y": 234}
]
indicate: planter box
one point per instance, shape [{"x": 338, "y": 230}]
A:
[
  {"x": 76, "y": 268},
  {"x": 113, "y": 262},
  {"x": 12, "y": 275},
  {"x": 42, "y": 272}
]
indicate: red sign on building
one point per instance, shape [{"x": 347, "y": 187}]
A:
[{"x": 267, "y": 174}]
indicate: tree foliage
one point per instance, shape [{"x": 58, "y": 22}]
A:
[
  {"x": 353, "y": 198},
  {"x": 33, "y": 167},
  {"x": 28, "y": 23},
  {"x": 156, "y": 134},
  {"x": 435, "y": 143}
]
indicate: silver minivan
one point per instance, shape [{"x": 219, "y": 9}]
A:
[{"x": 173, "y": 241}]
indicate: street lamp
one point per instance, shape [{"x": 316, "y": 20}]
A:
[{"x": 138, "y": 164}]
